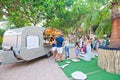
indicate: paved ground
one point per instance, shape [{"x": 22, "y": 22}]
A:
[{"x": 38, "y": 69}]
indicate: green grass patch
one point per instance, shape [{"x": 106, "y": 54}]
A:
[{"x": 90, "y": 68}]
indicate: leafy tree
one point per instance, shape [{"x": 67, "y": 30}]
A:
[
  {"x": 67, "y": 15},
  {"x": 1, "y": 34},
  {"x": 107, "y": 20},
  {"x": 22, "y": 12}
]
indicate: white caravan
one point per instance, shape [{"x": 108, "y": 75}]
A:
[{"x": 24, "y": 44}]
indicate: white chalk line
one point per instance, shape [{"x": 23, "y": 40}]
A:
[{"x": 93, "y": 72}]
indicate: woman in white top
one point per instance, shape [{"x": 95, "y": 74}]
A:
[
  {"x": 88, "y": 50},
  {"x": 66, "y": 46}
]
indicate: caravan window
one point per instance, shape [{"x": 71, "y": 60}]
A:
[
  {"x": 10, "y": 40},
  {"x": 32, "y": 42}
]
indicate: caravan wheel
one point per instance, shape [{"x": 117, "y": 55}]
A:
[{"x": 48, "y": 55}]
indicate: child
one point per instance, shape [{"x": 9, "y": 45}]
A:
[
  {"x": 77, "y": 50},
  {"x": 83, "y": 49}
]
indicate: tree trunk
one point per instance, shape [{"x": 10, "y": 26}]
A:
[{"x": 115, "y": 34}]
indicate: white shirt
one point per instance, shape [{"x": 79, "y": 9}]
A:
[{"x": 66, "y": 43}]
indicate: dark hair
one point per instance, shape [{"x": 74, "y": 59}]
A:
[
  {"x": 88, "y": 37},
  {"x": 77, "y": 44},
  {"x": 51, "y": 39}
]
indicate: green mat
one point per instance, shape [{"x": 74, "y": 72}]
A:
[{"x": 90, "y": 68}]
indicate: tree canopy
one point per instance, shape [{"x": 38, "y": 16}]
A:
[{"x": 67, "y": 15}]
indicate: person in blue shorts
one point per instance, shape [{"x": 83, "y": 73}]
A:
[{"x": 77, "y": 50}]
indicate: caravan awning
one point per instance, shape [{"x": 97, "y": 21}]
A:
[{"x": 52, "y": 31}]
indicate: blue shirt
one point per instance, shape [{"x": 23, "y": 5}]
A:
[
  {"x": 53, "y": 45},
  {"x": 59, "y": 41}
]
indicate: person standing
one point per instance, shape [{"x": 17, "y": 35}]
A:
[
  {"x": 97, "y": 43},
  {"x": 54, "y": 48},
  {"x": 66, "y": 46},
  {"x": 81, "y": 42},
  {"x": 77, "y": 50},
  {"x": 60, "y": 43},
  {"x": 88, "y": 49}
]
